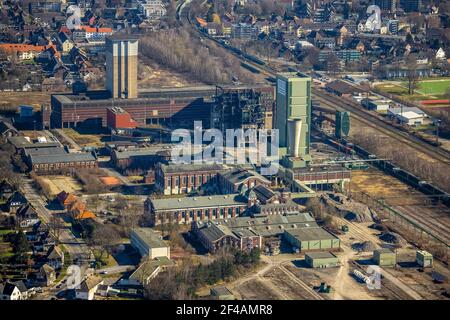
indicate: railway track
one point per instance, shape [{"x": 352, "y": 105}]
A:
[
  {"x": 304, "y": 286},
  {"x": 363, "y": 116}
]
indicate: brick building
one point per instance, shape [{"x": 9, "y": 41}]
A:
[
  {"x": 184, "y": 178},
  {"x": 118, "y": 118},
  {"x": 232, "y": 180},
  {"x": 188, "y": 209}
]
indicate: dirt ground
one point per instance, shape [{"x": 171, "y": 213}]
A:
[
  {"x": 11, "y": 100},
  {"x": 154, "y": 76},
  {"x": 62, "y": 183},
  {"x": 379, "y": 185}
]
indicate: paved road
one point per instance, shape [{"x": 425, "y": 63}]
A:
[
  {"x": 75, "y": 247},
  {"x": 116, "y": 269}
]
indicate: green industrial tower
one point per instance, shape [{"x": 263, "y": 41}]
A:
[{"x": 293, "y": 118}]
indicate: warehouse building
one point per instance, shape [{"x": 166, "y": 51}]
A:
[
  {"x": 385, "y": 257},
  {"x": 311, "y": 239},
  {"x": 424, "y": 259},
  {"x": 149, "y": 243},
  {"x": 321, "y": 260}
]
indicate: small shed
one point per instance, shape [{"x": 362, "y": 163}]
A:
[
  {"x": 424, "y": 259},
  {"x": 321, "y": 259},
  {"x": 384, "y": 257}
]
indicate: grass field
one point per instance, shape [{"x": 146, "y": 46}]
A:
[
  {"x": 425, "y": 90},
  {"x": 434, "y": 87}
]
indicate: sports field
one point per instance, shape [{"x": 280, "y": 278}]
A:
[
  {"x": 434, "y": 87},
  {"x": 425, "y": 89}
]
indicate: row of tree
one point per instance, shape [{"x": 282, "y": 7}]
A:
[
  {"x": 183, "y": 282},
  {"x": 185, "y": 53}
]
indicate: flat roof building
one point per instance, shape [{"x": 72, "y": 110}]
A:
[
  {"x": 312, "y": 238},
  {"x": 424, "y": 259},
  {"x": 321, "y": 259},
  {"x": 384, "y": 257},
  {"x": 149, "y": 243}
]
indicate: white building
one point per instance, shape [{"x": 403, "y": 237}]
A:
[
  {"x": 149, "y": 243},
  {"x": 410, "y": 118},
  {"x": 375, "y": 104},
  {"x": 152, "y": 9},
  {"x": 88, "y": 288}
]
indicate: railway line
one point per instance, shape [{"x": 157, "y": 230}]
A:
[
  {"x": 361, "y": 115},
  {"x": 364, "y": 116}
]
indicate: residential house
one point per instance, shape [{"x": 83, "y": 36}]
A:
[
  {"x": 10, "y": 291},
  {"x": 46, "y": 275},
  {"x": 6, "y": 190},
  {"x": 26, "y": 216},
  {"x": 88, "y": 288},
  {"x": 15, "y": 202},
  {"x": 55, "y": 257}
]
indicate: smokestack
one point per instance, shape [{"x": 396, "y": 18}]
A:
[{"x": 294, "y": 129}]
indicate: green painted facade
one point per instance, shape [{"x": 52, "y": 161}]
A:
[
  {"x": 311, "y": 239},
  {"x": 293, "y": 102},
  {"x": 321, "y": 260},
  {"x": 384, "y": 257}
]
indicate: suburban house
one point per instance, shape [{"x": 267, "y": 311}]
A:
[
  {"x": 13, "y": 291},
  {"x": 88, "y": 288},
  {"x": 46, "y": 275},
  {"x": 15, "y": 202},
  {"x": 26, "y": 216},
  {"x": 55, "y": 257}
]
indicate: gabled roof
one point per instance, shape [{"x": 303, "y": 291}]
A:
[
  {"x": 17, "y": 197},
  {"x": 55, "y": 253},
  {"x": 90, "y": 283},
  {"x": 26, "y": 211},
  {"x": 240, "y": 175}
]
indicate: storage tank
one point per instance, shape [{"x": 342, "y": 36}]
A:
[{"x": 294, "y": 129}]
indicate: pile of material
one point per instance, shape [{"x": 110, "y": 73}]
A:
[
  {"x": 366, "y": 246},
  {"x": 394, "y": 238},
  {"x": 348, "y": 208}
]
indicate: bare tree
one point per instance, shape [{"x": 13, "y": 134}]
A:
[{"x": 56, "y": 227}]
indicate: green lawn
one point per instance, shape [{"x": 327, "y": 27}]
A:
[{"x": 434, "y": 87}]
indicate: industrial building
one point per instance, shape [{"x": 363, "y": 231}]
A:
[
  {"x": 321, "y": 259},
  {"x": 293, "y": 118},
  {"x": 121, "y": 66},
  {"x": 149, "y": 243},
  {"x": 189, "y": 209},
  {"x": 424, "y": 259},
  {"x": 243, "y": 107},
  {"x": 311, "y": 239},
  {"x": 385, "y": 257},
  {"x": 118, "y": 118},
  {"x": 169, "y": 106},
  {"x": 168, "y": 178}
]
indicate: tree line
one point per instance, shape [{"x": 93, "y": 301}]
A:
[{"x": 185, "y": 53}]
